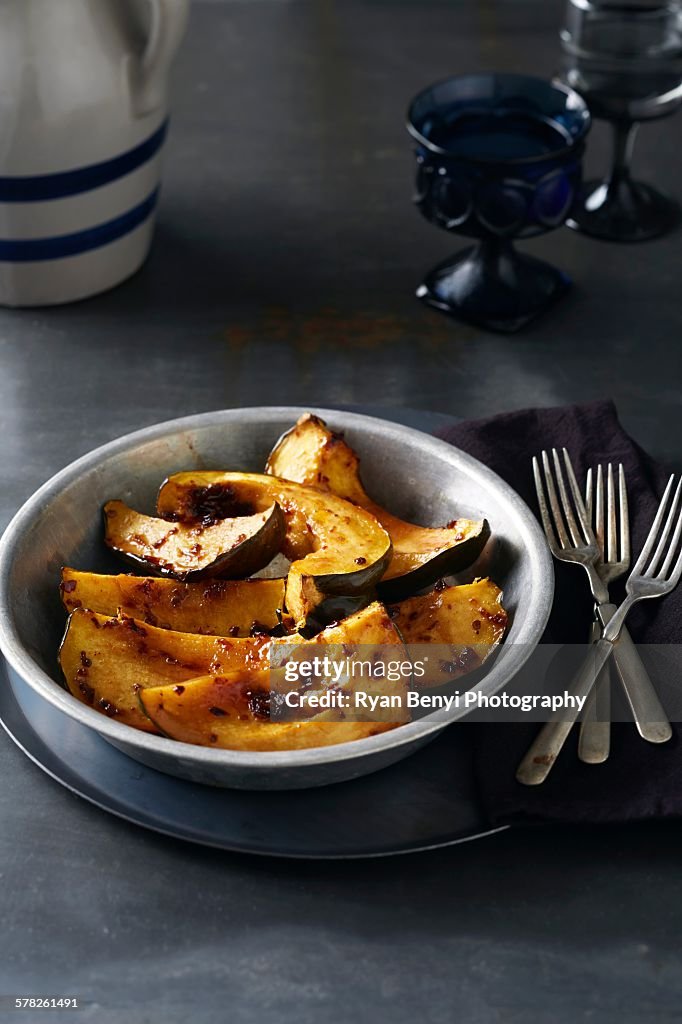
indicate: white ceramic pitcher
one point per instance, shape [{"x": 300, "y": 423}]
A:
[{"x": 83, "y": 118}]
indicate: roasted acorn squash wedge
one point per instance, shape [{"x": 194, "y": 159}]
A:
[
  {"x": 106, "y": 661},
  {"x": 461, "y": 625},
  {"x": 310, "y": 453},
  {"x": 233, "y": 712},
  {"x": 337, "y": 549},
  {"x": 215, "y": 607},
  {"x": 192, "y": 549}
]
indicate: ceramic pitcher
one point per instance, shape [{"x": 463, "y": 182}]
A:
[{"x": 83, "y": 117}]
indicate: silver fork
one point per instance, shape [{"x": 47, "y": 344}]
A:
[
  {"x": 656, "y": 572},
  {"x": 584, "y": 549},
  {"x": 612, "y": 531}
]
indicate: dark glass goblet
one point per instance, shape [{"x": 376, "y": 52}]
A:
[{"x": 499, "y": 157}]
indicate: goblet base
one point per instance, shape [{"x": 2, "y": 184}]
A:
[
  {"x": 624, "y": 211},
  {"x": 493, "y": 286}
]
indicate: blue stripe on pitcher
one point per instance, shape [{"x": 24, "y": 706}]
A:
[
  {"x": 36, "y": 188},
  {"x": 27, "y": 250}
]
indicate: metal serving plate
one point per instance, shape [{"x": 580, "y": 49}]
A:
[
  {"x": 416, "y": 476},
  {"x": 425, "y": 802}
]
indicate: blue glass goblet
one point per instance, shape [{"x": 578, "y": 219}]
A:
[{"x": 499, "y": 157}]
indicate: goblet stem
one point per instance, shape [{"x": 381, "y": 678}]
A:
[
  {"x": 493, "y": 286},
  {"x": 621, "y": 209},
  {"x": 624, "y": 133}
]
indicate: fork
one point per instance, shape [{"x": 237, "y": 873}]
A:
[
  {"x": 612, "y": 531},
  {"x": 583, "y": 548},
  {"x": 614, "y": 561},
  {"x": 655, "y": 574}
]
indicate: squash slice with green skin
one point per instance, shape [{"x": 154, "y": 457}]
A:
[
  {"x": 107, "y": 661},
  {"x": 311, "y": 454},
  {"x": 462, "y": 626},
  {"x": 194, "y": 549},
  {"x": 337, "y": 550},
  {"x": 227, "y": 712},
  {"x": 216, "y": 607}
]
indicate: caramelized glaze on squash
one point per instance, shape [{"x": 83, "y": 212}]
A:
[
  {"x": 106, "y": 661},
  {"x": 336, "y": 548},
  {"x": 215, "y": 607},
  {"x": 313, "y": 455},
  {"x": 194, "y": 549},
  {"x": 233, "y": 711}
]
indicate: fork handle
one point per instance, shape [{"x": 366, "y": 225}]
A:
[
  {"x": 546, "y": 747},
  {"x": 594, "y": 743},
  {"x": 648, "y": 712}
]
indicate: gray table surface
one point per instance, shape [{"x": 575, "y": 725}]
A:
[{"x": 283, "y": 271}]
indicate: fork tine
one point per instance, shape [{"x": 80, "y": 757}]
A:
[
  {"x": 624, "y": 516},
  {"x": 677, "y": 571},
  {"x": 599, "y": 510},
  {"x": 662, "y": 548},
  {"x": 565, "y": 501},
  {"x": 589, "y": 491},
  {"x": 554, "y": 502},
  {"x": 575, "y": 490},
  {"x": 674, "y": 543},
  {"x": 544, "y": 511},
  {"x": 585, "y": 525},
  {"x": 610, "y": 551},
  {"x": 653, "y": 532}
]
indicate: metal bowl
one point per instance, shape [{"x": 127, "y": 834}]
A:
[{"x": 416, "y": 476}]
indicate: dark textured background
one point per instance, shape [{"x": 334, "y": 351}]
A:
[{"x": 283, "y": 271}]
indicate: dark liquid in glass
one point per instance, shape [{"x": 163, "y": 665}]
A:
[{"x": 495, "y": 136}]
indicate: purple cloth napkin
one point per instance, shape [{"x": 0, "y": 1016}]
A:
[{"x": 639, "y": 780}]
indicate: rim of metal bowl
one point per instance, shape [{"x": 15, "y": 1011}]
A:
[{"x": 529, "y": 630}]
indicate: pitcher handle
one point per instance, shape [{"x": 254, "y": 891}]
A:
[{"x": 168, "y": 23}]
